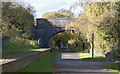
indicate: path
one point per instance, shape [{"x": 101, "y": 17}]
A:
[
  {"x": 71, "y": 62},
  {"x": 15, "y": 52}
]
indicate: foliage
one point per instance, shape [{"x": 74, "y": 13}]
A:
[
  {"x": 17, "y": 20},
  {"x": 68, "y": 39},
  {"x": 56, "y": 15},
  {"x": 66, "y": 11},
  {"x": 24, "y": 41},
  {"x": 102, "y": 18},
  {"x": 59, "y": 38},
  {"x": 79, "y": 33},
  {"x": 106, "y": 19}
]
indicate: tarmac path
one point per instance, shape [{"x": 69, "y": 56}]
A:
[{"x": 72, "y": 63}]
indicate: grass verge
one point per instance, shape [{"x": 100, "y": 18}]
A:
[
  {"x": 88, "y": 57},
  {"x": 113, "y": 68},
  {"x": 42, "y": 65}
]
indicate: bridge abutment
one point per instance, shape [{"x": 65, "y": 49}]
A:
[{"x": 46, "y": 28}]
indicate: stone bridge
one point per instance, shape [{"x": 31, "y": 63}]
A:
[{"x": 46, "y": 28}]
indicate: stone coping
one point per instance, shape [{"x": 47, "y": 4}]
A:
[
  {"x": 11, "y": 65},
  {"x": 55, "y": 18},
  {"x": 17, "y": 58}
]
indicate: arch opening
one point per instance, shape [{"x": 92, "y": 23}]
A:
[{"x": 67, "y": 39}]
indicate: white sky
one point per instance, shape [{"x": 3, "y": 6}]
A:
[{"x": 43, "y": 6}]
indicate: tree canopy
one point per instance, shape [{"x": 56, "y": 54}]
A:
[
  {"x": 56, "y": 15},
  {"x": 102, "y": 18},
  {"x": 17, "y": 20}
]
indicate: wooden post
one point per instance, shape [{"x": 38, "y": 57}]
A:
[{"x": 92, "y": 45}]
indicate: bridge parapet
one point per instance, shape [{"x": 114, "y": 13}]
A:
[{"x": 53, "y": 22}]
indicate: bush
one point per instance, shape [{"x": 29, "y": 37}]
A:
[{"x": 24, "y": 41}]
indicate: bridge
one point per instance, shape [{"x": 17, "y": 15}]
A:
[{"x": 46, "y": 28}]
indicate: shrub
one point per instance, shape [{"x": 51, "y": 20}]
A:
[{"x": 24, "y": 41}]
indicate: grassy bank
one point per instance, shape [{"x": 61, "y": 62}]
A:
[
  {"x": 97, "y": 58},
  {"x": 11, "y": 46},
  {"x": 113, "y": 67},
  {"x": 42, "y": 65},
  {"x": 88, "y": 57}
]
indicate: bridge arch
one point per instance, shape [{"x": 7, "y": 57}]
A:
[
  {"x": 46, "y": 28},
  {"x": 56, "y": 33}
]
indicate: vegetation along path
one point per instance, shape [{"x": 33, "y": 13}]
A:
[{"x": 71, "y": 62}]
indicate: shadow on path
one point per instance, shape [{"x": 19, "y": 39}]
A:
[{"x": 71, "y": 62}]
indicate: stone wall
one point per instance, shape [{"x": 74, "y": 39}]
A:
[
  {"x": 53, "y": 22},
  {"x": 15, "y": 64},
  {"x": 46, "y": 28}
]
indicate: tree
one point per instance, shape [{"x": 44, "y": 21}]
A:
[
  {"x": 102, "y": 18},
  {"x": 17, "y": 17},
  {"x": 66, "y": 11},
  {"x": 59, "y": 38},
  {"x": 56, "y": 15}
]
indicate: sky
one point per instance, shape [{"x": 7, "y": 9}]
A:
[{"x": 43, "y": 6}]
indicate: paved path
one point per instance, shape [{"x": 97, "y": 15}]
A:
[
  {"x": 15, "y": 52},
  {"x": 71, "y": 62}
]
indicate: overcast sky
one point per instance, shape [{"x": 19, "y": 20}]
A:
[{"x": 43, "y": 6}]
